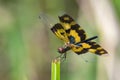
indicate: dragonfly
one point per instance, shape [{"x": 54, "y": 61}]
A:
[{"x": 74, "y": 38}]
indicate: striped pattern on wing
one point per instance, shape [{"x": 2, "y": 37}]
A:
[
  {"x": 59, "y": 31},
  {"x": 74, "y": 31},
  {"x": 92, "y": 47}
]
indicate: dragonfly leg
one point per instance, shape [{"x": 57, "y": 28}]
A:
[{"x": 62, "y": 57}]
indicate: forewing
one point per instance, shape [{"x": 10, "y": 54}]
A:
[
  {"x": 59, "y": 31},
  {"x": 74, "y": 31}
]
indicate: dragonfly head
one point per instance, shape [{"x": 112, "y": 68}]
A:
[{"x": 63, "y": 49}]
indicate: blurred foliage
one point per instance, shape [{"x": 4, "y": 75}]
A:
[
  {"x": 116, "y": 4},
  {"x": 27, "y": 46}
]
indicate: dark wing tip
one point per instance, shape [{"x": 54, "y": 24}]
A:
[
  {"x": 101, "y": 52},
  {"x": 57, "y": 26},
  {"x": 65, "y": 18}
]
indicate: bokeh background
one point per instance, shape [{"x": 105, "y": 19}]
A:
[{"x": 27, "y": 46}]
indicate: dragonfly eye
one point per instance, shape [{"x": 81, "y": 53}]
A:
[{"x": 61, "y": 50}]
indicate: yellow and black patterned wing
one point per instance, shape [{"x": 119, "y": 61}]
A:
[
  {"x": 92, "y": 47},
  {"x": 74, "y": 32},
  {"x": 96, "y": 48},
  {"x": 59, "y": 31}
]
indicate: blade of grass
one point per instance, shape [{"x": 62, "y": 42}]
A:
[{"x": 55, "y": 69}]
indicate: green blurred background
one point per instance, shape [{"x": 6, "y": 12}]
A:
[{"x": 27, "y": 46}]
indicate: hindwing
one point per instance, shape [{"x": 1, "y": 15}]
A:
[{"x": 74, "y": 31}]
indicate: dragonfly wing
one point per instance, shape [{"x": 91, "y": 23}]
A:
[
  {"x": 96, "y": 48},
  {"x": 59, "y": 31},
  {"x": 92, "y": 47},
  {"x": 79, "y": 50},
  {"x": 74, "y": 31}
]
